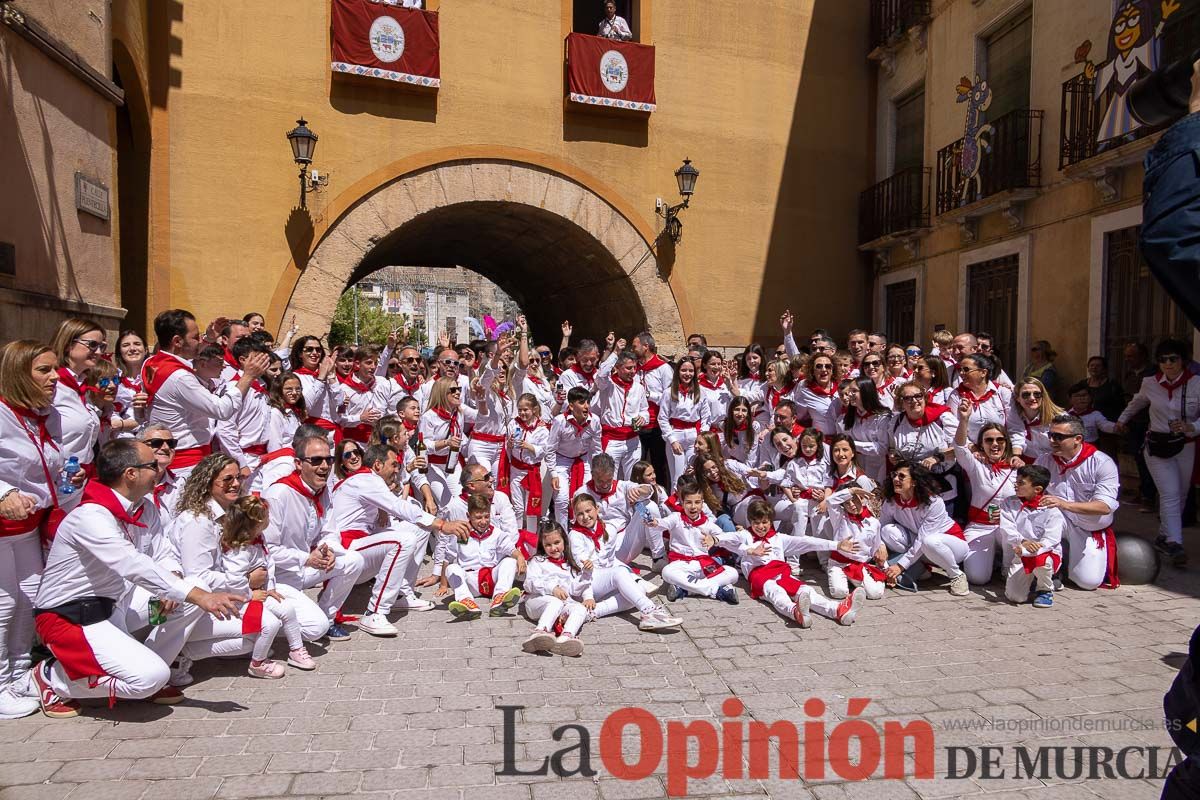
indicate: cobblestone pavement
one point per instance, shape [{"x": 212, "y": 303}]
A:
[{"x": 416, "y": 716}]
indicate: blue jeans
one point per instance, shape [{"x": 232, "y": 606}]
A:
[
  {"x": 725, "y": 523},
  {"x": 1171, "y": 214}
]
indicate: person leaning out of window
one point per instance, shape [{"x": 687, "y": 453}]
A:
[{"x": 613, "y": 26}]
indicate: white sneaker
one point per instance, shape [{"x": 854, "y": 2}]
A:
[
  {"x": 14, "y": 706},
  {"x": 413, "y": 603},
  {"x": 538, "y": 642},
  {"x": 181, "y": 673},
  {"x": 376, "y": 625},
  {"x": 847, "y": 610},
  {"x": 959, "y": 586},
  {"x": 800, "y": 612},
  {"x": 567, "y": 645},
  {"x": 658, "y": 620}
]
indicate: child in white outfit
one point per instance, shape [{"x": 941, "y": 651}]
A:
[
  {"x": 1034, "y": 535},
  {"x": 851, "y": 519},
  {"x": 690, "y": 568},
  {"x": 558, "y": 595},
  {"x": 486, "y": 563},
  {"x": 242, "y": 552}
]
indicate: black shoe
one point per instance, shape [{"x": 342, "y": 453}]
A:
[
  {"x": 1058, "y": 584},
  {"x": 1175, "y": 552},
  {"x": 1160, "y": 543},
  {"x": 906, "y": 584}
]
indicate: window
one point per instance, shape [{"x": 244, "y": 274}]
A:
[
  {"x": 900, "y": 301},
  {"x": 910, "y": 131},
  {"x": 1007, "y": 67},
  {"x": 588, "y": 13},
  {"x": 992, "y": 305},
  {"x": 1136, "y": 307},
  {"x": 452, "y": 327}
]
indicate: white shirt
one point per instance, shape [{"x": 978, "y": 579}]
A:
[
  {"x": 1093, "y": 478},
  {"x": 359, "y": 498},
  {"x": 543, "y": 576},
  {"x": 988, "y": 485},
  {"x": 614, "y": 507},
  {"x": 618, "y": 406},
  {"x": 685, "y": 409},
  {"x": 538, "y": 437},
  {"x": 745, "y": 448},
  {"x": 322, "y": 399},
  {"x": 188, "y": 409},
  {"x": 486, "y": 551},
  {"x": 281, "y": 428},
  {"x": 1043, "y": 525},
  {"x": 246, "y": 428},
  {"x": 870, "y": 434},
  {"x": 355, "y": 401},
  {"x": 822, "y": 408},
  {"x": 93, "y": 555},
  {"x": 923, "y": 520},
  {"x": 75, "y": 427},
  {"x": 295, "y": 529},
  {"x": 864, "y": 532},
  {"x": 502, "y": 517},
  {"x": 780, "y": 548},
  {"x": 994, "y": 406},
  {"x": 615, "y": 28},
  {"x": 657, "y": 383},
  {"x": 1164, "y": 404},
  {"x": 26, "y": 457},
  {"x": 687, "y": 536},
  {"x": 570, "y": 441},
  {"x": 198, "y": 537}
]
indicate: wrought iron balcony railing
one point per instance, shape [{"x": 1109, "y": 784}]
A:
[
  {"x": 1006, "y": 156},
  {"x": 891, "y": 18},
  {"x": 895, "y": 205}
]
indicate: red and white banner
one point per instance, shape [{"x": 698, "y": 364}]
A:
[
  {"x": 384, "y": 41},
  {"x": 607, "y": 73}
]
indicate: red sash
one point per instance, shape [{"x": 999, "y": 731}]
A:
[
  {"x": 683, "y": 425},
  {"x": 610, "y": 433},
  {"x": 487, "y": 584},
  {"x": 326, "y": 425},
  {"x": 577, "y": 476},
  {"x": 854, "y": 569},
  {"x": 259, "y": 450},
  {"x": 956, "y": 530},
  {"x": 708, "y": 565},
  {"x": 1107, "y": 539},
  {"x": 350, "y": 537},
  {"x": 531, "y": 481},
  {"x": 773, "y": 571},
  {"x": 360, "y": 433},
  {"x": 155, "y": 371},
  {"x": 1033, "y": 562},
  {"x": 979, "y": 516},
  {"x": 491, "y": 438},
  {"x": 190, "y": 456},
  {"x": 17, "y": 527},
  {"x": 280, "y": 453},
  {"x": 527, "y": 543},
  {"x": 9, "y": 527},
  {"x": 252, "y": 616},
  {"x": 70, "y": 646}
]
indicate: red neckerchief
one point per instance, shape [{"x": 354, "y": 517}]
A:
[
  {"x": 256, "y": 386},
  {"x": 528, "y": 428},
  {"x": 797, "y": 430},
  {"x": 905, "y": 503},
  {"x": 708, "y": 384},
  {"x": 999, "y": 466},
  {"x": 863, "y": 514},
  {"x": 96, "y": 493},
  {"x": 1161, "y": 379},
  {"x": 652, "y": 363},
  {"x": 824, "y": 391},
  {"x": 624, "y": 386},
  {"x": 558, "y": 562},
  {"x": 601, "y": 496},
  {"x": 579, "y": 427},
  {"x": 809, "y": 459},
  {"x": 68, "y": 379},
  {"x": 359, "y": 471},
  {"x": 408, "y": 388},
  {"x": 890, "y": 379},
  {"x": 409, "y": 426},
  {"x": 693, "y": 522},
  {"x": 451, "y": 418},
  {"x": 1085, "y": 452},
  {"x": 161, "y": 489},
  {"x": 842, "y": 480},
  {"x": 355, "y": 384},
  {"x": 1031, "y": 505},
  {"x": 39, "y": 421},
  {"x": 157, "y": 368},
  {"x": 963, "y": 391},
  {"x": 295, "y": 482},
  {"x": 588, "y": 377},
  {"x": 753, "y": 374},
  {"x": 758, "y": 538},
  {"x": 305, "y": 371},
  {"x": 230, "y": 360},
  {"x": 595, "y": 535},
  {"x": 479, "y": 537},
  {"x": 131, "y": 385},
  {"x": 464, "y": 496},
  {"x": 674, "y": 504},
  {"x": 531, "y": 377},
  {"x": 932, "y": 412}
]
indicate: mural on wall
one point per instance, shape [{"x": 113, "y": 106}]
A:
[
  {"x": 1132, "y": 52},
  {"x": 978, "y": 97}
]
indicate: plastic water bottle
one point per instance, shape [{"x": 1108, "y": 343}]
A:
[
  {"x": 69, "y": 471},
  {"x": 639, "y": 508}
]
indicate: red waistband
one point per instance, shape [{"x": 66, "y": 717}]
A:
[
  {"x": 360, "y": 433},
  {"x": 623, "y": 432},
  {"x": 979, "y": 515},
  {"x": 10, "y": 527},
  {"x": 480, "y": 436},
  {"x": 683, "y": 424},
  {"x": 256, "y": 449},
  {"x": 190, "y": 456},
  {"x": 521, "y": 464},
  {"x": 956, "y": 530},
  {"x": 349, "y": 537},
  {"x": 280, "y": 453},
  {"x": 439, "y": 460}
]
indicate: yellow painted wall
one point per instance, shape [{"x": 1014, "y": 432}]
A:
[{"x": 769, "y": 99}]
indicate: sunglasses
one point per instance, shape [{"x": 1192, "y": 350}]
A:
[
  {"x": 1061, "y": 437},
  {"x": 822, "y": 366},
  {"x": 155, "y": 444},
  {"x": 895, "y": 359},
  {"x": 912, "y": 352},
  {"x": 314, "y": 349},
  {"x": 544, "y": 353},
  {"x": 994, "y": 440},
  {"x": 355, "y": 453},
  {"x": 393, "y": 367},
  {"x": 411, "y": 360},
  {"x": 455, "y": 390},
  {"x": 780, "y": 353},
  {"x": 449, "y": 363},
  {"x": 105, "y": 383},
  {"x": 872, "y": 363},
  {"x": 1031, "y": 395},
  {"x": 318, "y": 461},
  {"x": 230, "y": 480},
  {"x": 148, "y": 465},
  {"x": 913, "y": 398},
  {"x": 1168, "y": 359},
  {"x": 485, "y": 479},
  {"x": 93, "y": 345}
]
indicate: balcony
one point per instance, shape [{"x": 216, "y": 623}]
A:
[
  {"x": 895, "y": 207},
  {"x": 891, "y": 19},
  {"x": 1009, "y": 164},
  {"x": 609, "y": 75}
]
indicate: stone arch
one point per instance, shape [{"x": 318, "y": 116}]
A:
[{"x": 558, "y": 247}]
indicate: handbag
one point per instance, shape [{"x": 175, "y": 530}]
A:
[{"x": 1168, "y": 445}]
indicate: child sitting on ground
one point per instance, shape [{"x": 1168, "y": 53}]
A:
[
  {"x": 487, "y": 564},
  {"x": 558, "y": 594},
  {"x": 1035, "y": 536}
]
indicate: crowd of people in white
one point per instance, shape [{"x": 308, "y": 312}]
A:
[{"x": 197, "y": 499}]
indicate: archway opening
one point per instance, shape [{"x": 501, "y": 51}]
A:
[
  {"x": 552, "y": 268},
  {"x": 133, "y": 193}
]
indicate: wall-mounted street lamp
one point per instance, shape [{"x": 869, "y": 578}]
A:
[
  {"x": 686, "y": 177},
  {"x": 303, "y": 142}
]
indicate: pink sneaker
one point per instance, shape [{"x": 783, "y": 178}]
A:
[
  {"x": 266, "y": 669},
  {"x": 300, "y": 659}
]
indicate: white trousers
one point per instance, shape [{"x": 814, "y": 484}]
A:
[
  {"x": 940, "y": 549},
  {"x": 616, "y": 589},
  {"x": 785, "y": 604},
  {"x": 981, "y": 545},
  {"x": 1173, "y": 478},
  {"x": 20, "y": 575},
  {"x": 547, "y": 609},
  {"x": 625, "y": 454},
  {"x": 135, "y": 671},
  {"x": 393, "y": 558},
  {"x": 221, "y": 638},
  {"x": 167, "y": 639},
  {"x": 487, "y": 454},
  {"x": 338, "y": 583},
  {"x": 561, "y": 471},
  {"x": 517, "y": 493},
  {"x": 689, "y": 575},
  {"x": 465, "y": 582},
  {"x": 677, "y": 463},
  {"x": 1087, "y": 562},
  {"x": 444, "y": 486},
  {"x": 277, "y": 616},
  {"x": 638, "y": 536},
  {"x": 1016, "y": 586},
  {"x": 839, "y": 583}
]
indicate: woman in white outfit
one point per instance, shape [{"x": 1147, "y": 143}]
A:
[
  {"x": 993, "y": 479},
  {"x": 914, "y": 523},
  {"x": 680, "y": 416}
]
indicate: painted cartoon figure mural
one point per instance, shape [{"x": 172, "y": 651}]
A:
[
  {"x": 978, "y": 97},
  {"x": 1133, "y": 41}
]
